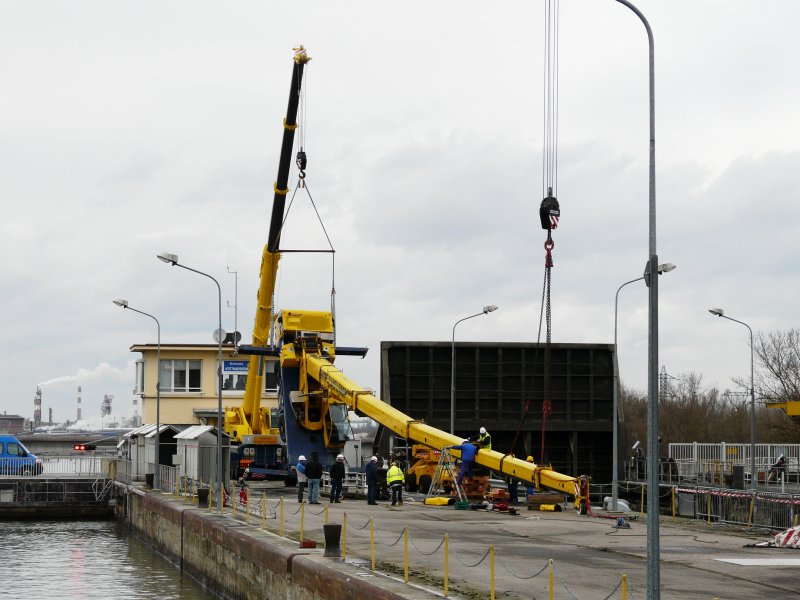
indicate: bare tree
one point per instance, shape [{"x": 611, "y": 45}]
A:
[{"x": 778, "y": 358}]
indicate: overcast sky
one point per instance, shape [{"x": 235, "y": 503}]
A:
[{"x": 132, "y": 128}]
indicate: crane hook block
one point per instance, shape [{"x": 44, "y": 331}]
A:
[
  {"x": 549, "y": 213},
  {"x": 302, "y": 161}
]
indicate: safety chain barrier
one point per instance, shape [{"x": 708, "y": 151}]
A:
[{"x": 261, "y": 508}]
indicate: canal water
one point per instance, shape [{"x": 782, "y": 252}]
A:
[{"x": 83, "y": 560}]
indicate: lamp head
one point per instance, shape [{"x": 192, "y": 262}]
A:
[
  {"x": 168, "y": 258},
  {"x": 490, "y": 308},
  {"x": 717, "y": 311},
  {"x": 666, "y": 268},
  {"x": 121, "y": 302}
]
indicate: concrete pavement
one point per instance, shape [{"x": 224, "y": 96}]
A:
[{"x": 589, "y": 555}]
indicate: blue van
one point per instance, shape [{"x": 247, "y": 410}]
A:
[{"x": 15, "y": 458}]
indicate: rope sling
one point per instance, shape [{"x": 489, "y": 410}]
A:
[{"x": 549, "y": 211}]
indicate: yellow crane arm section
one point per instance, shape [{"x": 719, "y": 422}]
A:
[
  {"x": 266, "y": 290},
  {"x": 250, "y": 419},
  {"x": 343, "y": 389}
]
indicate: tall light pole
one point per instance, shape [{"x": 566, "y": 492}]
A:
[
  {"x": 172, "y": 259},
  {"x": 754, "y": 476},
  {"x": 235, "y": 306},
  {"x": 124, "y": 304},
  {"x": 486, "y": 310},
  {"x": 662, "y": 268},
  {"x": 653, "y": 550}
]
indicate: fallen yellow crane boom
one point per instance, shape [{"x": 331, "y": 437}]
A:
[{"x": 343, "y": 389}]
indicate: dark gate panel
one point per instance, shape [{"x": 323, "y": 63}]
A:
[{"x": 493, "y": 384}]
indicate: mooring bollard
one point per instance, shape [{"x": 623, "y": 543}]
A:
[{"x": 333, "y": 534}]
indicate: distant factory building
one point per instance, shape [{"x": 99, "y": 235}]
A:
[{"x": 11, "y": 423}]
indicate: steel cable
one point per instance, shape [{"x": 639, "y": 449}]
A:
[
  {"x": 510, "y": 572},
  {"x": 380, "y": 539},
  {"x": 564, "y": 583},
  {"x": 435, "y": 550},
  {"x": 364, "y": 526},
  {"x": 614, "y": 591},
  {"x": 465, "y": 564}
]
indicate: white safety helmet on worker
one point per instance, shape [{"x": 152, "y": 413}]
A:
[
  {"x": 340, "y": 457},
  {"x": 301, "y": 457},
  {"x": 374, "y": 459},
  {"x": 482, "y": 430}
]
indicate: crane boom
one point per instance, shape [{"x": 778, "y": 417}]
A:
[
  {"x": 250, "y": 418},
  {"x": 318, "y": 393}
]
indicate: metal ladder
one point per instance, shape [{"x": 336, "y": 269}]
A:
[{"x": 446, "y": 464}]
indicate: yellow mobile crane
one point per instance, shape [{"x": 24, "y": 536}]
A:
[
  {"x": 315, "y": 396},
  {"x": 251, "y": 418}
]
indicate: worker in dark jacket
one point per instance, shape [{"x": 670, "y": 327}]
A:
[
  {"x": 371, "y": 472},
  {"x": 468, "y": 452},
  {"x": 337, "y": 478},
  {"x": 314, "y": 474}
]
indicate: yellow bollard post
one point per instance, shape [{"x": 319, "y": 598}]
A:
[
  {"x": 491, "y": 571},
  {"x": 302, "y": 519},
  {"x": 552, "y": 579},
  {"x": 372, "y": 543},
  {"x": 405, "y": 555},
  {"x": 624, "y": 587},
  {"x": 752, "y": 510},
  {"x": 281, "y": 516},
  {"x": 641, "y": 503},
  {"x": 344, "y": 536},
  {"x": 264, "y": 510},
  {"x": 673, "y": 502},
  {"x": 446, "y": 558},
  {"x": 326, "y": 515},
  {"x": 795, "y": 520}
]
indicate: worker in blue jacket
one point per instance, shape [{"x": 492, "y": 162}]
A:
[{"x": 468, "y": 452}]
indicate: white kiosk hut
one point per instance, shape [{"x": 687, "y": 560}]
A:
[{"x": 196, "y": 456}]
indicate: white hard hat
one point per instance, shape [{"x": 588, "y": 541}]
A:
[
  {"x": 340, "y": 457},
  {"x": 374, "y": 459},
  {"x": 465, "y": 442},
  {"x": 301, "y": 457},
  {"x": 483, "y": 430}
]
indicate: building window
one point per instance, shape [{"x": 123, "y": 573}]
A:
[
  {"x": 180, "y": 376},
  {"x": 139, "y": 377},
  {"x": 271, "y": 376}
]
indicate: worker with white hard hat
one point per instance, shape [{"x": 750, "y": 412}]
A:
[
  {"x": 483, "y": 439},
  {"x": 302, "y": 480}
]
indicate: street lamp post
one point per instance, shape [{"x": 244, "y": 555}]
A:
[
  {"x": 662, "y": 268},
  {"x": 172, "y": 259},
  {"x": 653, "y": 549},
  {"x": 124, "y": 304},
  {"x": 753, "y": 475},
  {"x": 486, "y": 310}
]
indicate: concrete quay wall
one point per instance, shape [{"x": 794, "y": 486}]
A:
[{"x": 237, "y": 561}]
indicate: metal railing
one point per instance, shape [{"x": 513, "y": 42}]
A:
[
  {"x": 20, "y": 492},
  {"x": 763, "y": 509}
]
